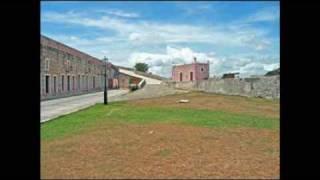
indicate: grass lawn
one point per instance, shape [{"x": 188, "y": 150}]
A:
[{"x": 212, "y": 136}]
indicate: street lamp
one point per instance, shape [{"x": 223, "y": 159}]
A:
[{"x": 105, "y": 81}]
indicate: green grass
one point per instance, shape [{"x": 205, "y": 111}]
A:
[
  {"x": 163, "y": 152},
  {"x": 80, "y": 121}
]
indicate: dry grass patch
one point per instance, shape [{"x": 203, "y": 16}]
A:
[
  {"x": 213, "y": 136},
  {"x": 163, "y": 151},
  {"x": 209, "y": 101}
]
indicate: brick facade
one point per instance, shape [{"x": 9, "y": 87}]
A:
[
  {"x": 190, "y": 72},
  {"x": 66, "y": 71},
  {"x": 125, "y": 80}
]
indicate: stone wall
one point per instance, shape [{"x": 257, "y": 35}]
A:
[{"x": 265, "y": 87}]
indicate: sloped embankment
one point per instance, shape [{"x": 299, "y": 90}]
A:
[{"x": 149, "y": 91}]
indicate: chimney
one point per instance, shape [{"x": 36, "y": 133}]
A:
[{"x": 194, "y": 59}]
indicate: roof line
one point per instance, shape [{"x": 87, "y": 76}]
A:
[{"x": 46, "y": 37}]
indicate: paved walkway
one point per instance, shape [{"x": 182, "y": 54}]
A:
[{"x": 53, "y": 108}]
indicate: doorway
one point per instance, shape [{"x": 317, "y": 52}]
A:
[
  {"x": 54, "y": 84},
  {"x": 47, "y": 84},
  {"x": 94, "y": 82},
  {"x": 68, "y": 83}
]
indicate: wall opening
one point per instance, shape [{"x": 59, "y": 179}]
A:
[
  {"x": 73, "y": 83},
  {"x": 68, "y": 83},
  {"x": 54, "y": 84},
  {"x": 47, "y": 84},
  {"x": 181, "y": 76},
  {"x": 94, "y": 82},
  {"x": 79, "y": 82},
  {"x": 191, "y": 76},
  {"x": 62, "y": 82},
  {"x": 87, "y": 83}
]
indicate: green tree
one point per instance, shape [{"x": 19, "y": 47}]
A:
[{"x": 143, "y": 67}]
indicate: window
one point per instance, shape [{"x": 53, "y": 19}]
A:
[
  {"x": 62, "y": 82},
  {"x": 66, "y": 65},
  {"x": 70, "y": 66},
  {"x": 46, "y": 64},
  {"x": 68, "y": 83},
  {"x": 202, "y": 69},
  {"x": 47, "y": 84},
  {"x": 181, "y": 76}
]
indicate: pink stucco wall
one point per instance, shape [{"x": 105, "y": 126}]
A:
[{"x": 200, "y": 71}]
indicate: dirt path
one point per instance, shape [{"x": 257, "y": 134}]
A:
[{"x": 163, "y": 151}]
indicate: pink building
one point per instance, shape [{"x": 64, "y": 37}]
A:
[{"x": 190, "y": 72}]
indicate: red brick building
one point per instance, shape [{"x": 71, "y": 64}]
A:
[
  {"x": 66, "y": 71},
  {"x": 190, "y": 72},
  {"x": 125, "y": 81}
]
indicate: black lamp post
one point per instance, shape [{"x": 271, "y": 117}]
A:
[{"x": 105, "y": 82}]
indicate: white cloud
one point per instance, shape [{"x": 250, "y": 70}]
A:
[
  {"x": 162, "y": 63},
  {"x": 134, "y": 37},
  {"x": 270, "y": 14},
  {"x": 270, "y": 67},
  {"x": 196, "y": 8},
  {"x": 124, "y": 47},
  {"x": 246, "y": 67},
  {"x": 120, "y": 13},
  {"x": 145, "y": 32}
]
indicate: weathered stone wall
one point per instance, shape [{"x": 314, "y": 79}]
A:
[{"x": 265, "y": 87}]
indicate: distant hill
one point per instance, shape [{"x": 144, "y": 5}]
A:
[{"x": 273, "y": 72}]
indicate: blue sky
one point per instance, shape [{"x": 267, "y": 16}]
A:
[{"x": 233, "y": 36}]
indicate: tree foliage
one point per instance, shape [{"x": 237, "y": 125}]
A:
[{"x": 143, "y": 67}]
